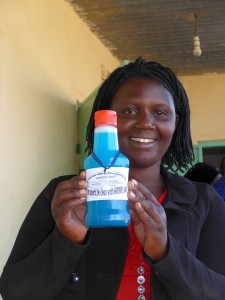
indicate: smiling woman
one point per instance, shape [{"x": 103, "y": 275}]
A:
[{"x": 174, "y": 245}]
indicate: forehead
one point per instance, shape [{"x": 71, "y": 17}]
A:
[{"x": 141, "y": 88}]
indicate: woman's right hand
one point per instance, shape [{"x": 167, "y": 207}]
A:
[{"x": 69, "y": 206}]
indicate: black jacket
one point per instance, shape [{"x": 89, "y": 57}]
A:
[{"x": 44, "y": 265}]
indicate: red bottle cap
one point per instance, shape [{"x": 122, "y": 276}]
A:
[{"x": 105, "y": 117}]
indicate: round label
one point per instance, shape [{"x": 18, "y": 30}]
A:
[{"x": 110, "y": 184}]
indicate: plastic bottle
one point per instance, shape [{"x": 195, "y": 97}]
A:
[{"x": 107, "y": 176}]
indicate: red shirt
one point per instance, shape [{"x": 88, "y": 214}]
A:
[{"x": 128, "y": 285}]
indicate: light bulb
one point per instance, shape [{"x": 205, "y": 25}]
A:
[{"x": 197, "y": 51}]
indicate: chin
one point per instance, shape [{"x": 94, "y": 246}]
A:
[{"x": 140, "y": 164}]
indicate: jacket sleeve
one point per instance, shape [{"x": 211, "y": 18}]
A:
[
  {"x": 42, "y": 259},
  {"x": 199, "y": 275}
]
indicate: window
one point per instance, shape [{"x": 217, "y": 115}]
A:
[
  {"x": 213, "y": 155},
  {"x": 211, "y": 152}
]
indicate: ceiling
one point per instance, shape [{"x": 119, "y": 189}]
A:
[{"x": 160, "y": 30}]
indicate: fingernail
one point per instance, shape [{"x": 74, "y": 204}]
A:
[
  {"x": 138, "y": 205},
  {"x": 134, "y": 182},
  {"x": 130, "y": 185},
  {"x": 82, "y": 191},
  {"x": 131, "y": 194},
  {"x": 81, "y": 182}
]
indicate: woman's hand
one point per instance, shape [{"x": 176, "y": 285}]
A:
[
  {"x": 69, "y": 206},
  {"x": 149, "y": 220}
]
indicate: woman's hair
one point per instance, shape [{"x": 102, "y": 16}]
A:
[
  {"x": 179, "y": 155},
  {"x": 202, "y": 172}
]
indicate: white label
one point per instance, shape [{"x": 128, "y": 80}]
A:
[{"x": 108, "y": 185}]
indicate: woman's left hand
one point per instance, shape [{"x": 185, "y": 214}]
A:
[{"x": 149, "y": 220}]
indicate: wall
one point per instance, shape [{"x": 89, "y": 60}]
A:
[
  {"x": 207, "y": 101},
  {"x": 49, "y": 59}
]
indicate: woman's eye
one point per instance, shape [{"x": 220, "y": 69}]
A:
[
  {"x": 129, "y": 111},
  {"x": 160, "y": 113}
]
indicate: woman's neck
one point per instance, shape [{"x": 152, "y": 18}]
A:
[{"x": 150, "y": 177}]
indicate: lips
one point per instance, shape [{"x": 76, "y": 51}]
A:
[{"x": 142, "y": 140}]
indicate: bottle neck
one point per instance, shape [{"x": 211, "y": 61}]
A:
[{"x": 105, "y": 139}]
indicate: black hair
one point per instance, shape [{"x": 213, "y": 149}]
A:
[
  {"x": 179, "y": 155},
  {"x": 202, "y": 172}
]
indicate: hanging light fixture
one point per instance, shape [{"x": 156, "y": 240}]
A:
[{"x": 197, "y": 51}]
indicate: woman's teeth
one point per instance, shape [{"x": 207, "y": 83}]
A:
[{"x": 142, "y": 140}]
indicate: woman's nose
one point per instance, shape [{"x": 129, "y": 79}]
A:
[{"x": 146, "y": 120}]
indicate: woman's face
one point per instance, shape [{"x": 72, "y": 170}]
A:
[{"x": 146, "y": 120}]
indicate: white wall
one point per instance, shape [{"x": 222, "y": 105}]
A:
[
  {"x": 49, "y": 59},
  {"x": 207, "y": 101}
]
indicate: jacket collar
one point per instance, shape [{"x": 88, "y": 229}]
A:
[{"x": 179, "y": 190}]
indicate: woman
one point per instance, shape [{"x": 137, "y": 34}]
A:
[{"x": 174, "y": 247}]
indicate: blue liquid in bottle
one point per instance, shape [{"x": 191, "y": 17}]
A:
[{"x": 107, "y": 176}]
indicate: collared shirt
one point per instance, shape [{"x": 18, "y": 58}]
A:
[{"x": 129, "y": 286}]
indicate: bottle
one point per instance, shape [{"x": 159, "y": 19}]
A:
[{"x": 107, "y": 176}]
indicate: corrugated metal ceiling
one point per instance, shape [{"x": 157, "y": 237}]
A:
[{"x": 160, "y": 30}]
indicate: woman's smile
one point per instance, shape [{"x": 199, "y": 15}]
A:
[
  {"x": 143, "y": 143},
  {"x": 139, "y": 140}
]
